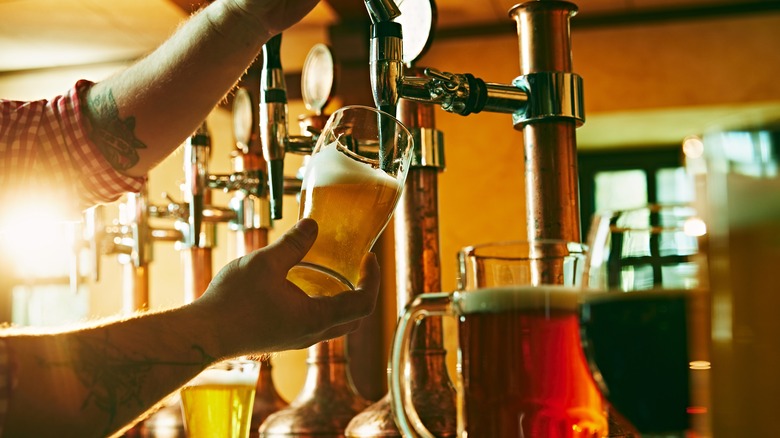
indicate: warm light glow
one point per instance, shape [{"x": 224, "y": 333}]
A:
[
  {"x": 693, "y": 410},
  {"x": 37, "y": 241},
  {"x": 693, "y": 147},
  {"x": 699, "y": 365},
  {"x": 694, "y": 227}
]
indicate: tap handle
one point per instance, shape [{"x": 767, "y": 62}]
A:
[
  {"x": 382, "y": 10},
  {"x": 196, "y": 174},
  {"x": 386, "y": 64},
  {"x": 273, "y": 120}
]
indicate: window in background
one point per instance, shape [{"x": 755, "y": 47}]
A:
[
  {"x": 624, "y": 179},
  {"x": 627, "y": 178}
]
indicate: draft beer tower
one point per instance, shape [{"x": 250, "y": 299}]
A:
[{"x": 545, "y": 103}]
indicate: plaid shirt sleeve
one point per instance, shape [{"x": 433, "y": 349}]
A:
[
  {"x": 6, "y": 381},
  {"x": 44, "y": 146}
]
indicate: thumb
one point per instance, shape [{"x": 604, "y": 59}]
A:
[{"x": 294, "y": 244}]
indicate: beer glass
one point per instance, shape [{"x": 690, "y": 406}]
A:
[
  {"x": 350, "y": 187},
  {"x": 521, "y": 369},
  {"x": 218, "y": 401},
  {"x": 738, "y": 193},
  {"x": 644, "y": 317}
]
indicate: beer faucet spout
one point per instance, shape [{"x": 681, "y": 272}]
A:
[
  {"x": 386, "y": 64},
  {"x": 273, "y": 120},
  {"x": 197, "y": 154},
  {"x": 382, "y": 10}
]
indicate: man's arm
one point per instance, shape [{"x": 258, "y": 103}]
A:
[
  {"x": 93, "y": 381},
  {"x": 142, "y": 114}
]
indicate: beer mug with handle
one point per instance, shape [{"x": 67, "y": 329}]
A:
[
  {"x": 351, "y": 186},
  {"x": 522, "y": 372}
]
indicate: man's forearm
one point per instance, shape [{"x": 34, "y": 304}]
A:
[
  {"x": 94, "y": 381},
  {"x": 142, "y": 114}
]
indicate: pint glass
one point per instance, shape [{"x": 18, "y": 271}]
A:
[
  {"x": 218, "y": 402},
  {"x": 739, "y": 194},
  {"x": 521, "y": 369},
  {"x": 351, "y": 186}
]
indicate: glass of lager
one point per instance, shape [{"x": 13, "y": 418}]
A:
[
  {"x": 738, "y": 193},
  {"x": 218, "y": 402},
  {"x": 644, "y": 318},
  {"x": 521, "y": 369},
  {"x": 350, "y": 187}
]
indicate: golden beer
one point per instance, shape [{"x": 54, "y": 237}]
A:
[
  {"x": 218, "y": 403},
  {"x": 352, "y": 202}
]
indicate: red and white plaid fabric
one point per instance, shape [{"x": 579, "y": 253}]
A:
[
  {"x": 6, "y": 382},
  {"x": 45, "y": 150},
  {"x": 46, "y": 156}
]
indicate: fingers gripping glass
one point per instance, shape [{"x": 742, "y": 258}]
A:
[{"x": 351, "y": 187}]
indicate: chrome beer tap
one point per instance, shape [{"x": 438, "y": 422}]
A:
[
  {"x": 545, "y": 101},
  {"x": 130, "y": 237},
  {"x": 273, "y": 120},
  {"x": 416, "y": 223},
  {"x": 274, "y": 128},
  {"x": 196, "y": 158}
]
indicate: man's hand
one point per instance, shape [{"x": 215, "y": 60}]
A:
[
  {"x": 275, "y": 15},
  {"x": 256, "y": 309}
]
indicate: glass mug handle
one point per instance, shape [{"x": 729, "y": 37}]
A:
[{"x": 406, "y": 416}]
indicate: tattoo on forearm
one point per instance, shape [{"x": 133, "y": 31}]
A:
[
  {"x": 114, "y": 137},
  {"x": 114, "y": 377}
]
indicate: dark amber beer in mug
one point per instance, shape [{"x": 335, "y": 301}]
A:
[
  {"x": 522, "y": 371},
  {"x": 351, "y": 186}
]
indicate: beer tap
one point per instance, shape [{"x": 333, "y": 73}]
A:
[
  {"x": 418, "y": 264},
  {"x": 274, "y": 130},
  {"x": 130, "y": 237},
  {"x": 545, "y": 101},
  {"x": 196, "y": 157},
  {"x": 273, "y": 120}
]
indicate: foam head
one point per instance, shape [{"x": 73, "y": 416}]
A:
[
  {"x": 224, "y": 376},
  {"x": 331, "y": 166},
  {"x": 513, "y": 298}
]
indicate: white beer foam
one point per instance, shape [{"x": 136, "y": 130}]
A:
[
  {"x": 214, "y": 376},
  {"x": 330, "y": 166},
  {"x": 502, "y": 298}
]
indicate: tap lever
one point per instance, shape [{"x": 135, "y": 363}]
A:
[
  {"x": 462, "y": 94},
  {"x": 386, "y": 63},
  {"x": 382, "y": 10},
  {"x": 273, "y": 120},
  {"x": 196, "y": 175}
]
